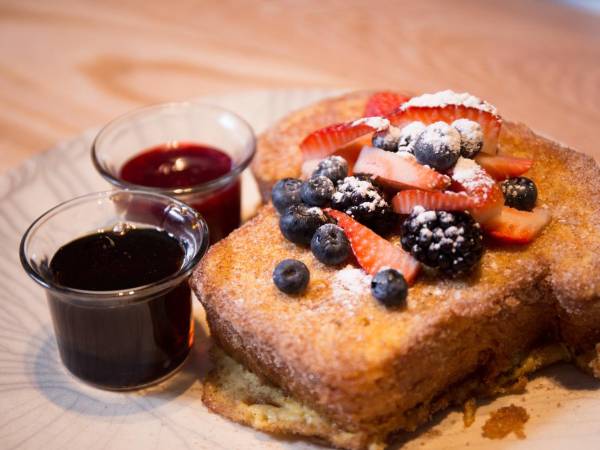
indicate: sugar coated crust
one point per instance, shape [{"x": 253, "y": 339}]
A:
[{"x": 362, "y": 366}]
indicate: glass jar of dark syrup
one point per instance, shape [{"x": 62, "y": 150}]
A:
[
  {"x": 191, "y": 151},
  {"x": 115, "y": 266}
]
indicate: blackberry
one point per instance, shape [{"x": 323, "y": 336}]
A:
[
  {"x": 359, "y": 197},
  {"x": 451, "y": 242},
  {"x": 334, "y": 167},
  {"x": 519, "y": 193},
  {"x": 438, "y": 146}
]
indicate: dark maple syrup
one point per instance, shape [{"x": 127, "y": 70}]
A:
[
  {"x": 183, "y": 165},
  {"x": 126, "y": 345}
]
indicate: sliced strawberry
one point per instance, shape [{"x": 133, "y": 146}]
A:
[
  {"x": 384, "y": 102},
  {"x": 405, "y": 201},
  {"x": 324, "y": 141},
  {"x": 374, "y": 252},
  {"x": 502, "y": 167},
  {"x": 480, "y": 187},
  {"x": 517, "y": 227},
  {"x": 490, "y": 123},
  {"x": 398, "y": 170}
]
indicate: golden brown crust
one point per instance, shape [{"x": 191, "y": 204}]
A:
[
  {"x": 363, "y": 366},
  {"x": 240, "y": 395},
  {"x": 278, "y": 155}
]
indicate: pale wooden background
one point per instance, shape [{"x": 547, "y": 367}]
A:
[{"x": 66, "y": 65}]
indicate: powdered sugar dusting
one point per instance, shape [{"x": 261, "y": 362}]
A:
[
  {"x": 349, "y": 284},
  {"x": 442, "y": 138},
  {"x": 471, "y": 176},
  {"x": 448, "y": 97},
  {"x": 376, "y": 122},
  {"x": 471, "y": 135},
  {"x": 361, "y": 188},
  {"x": 408, "y": 135}
]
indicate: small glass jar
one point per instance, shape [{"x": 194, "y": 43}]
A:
[
  {"x": 121, "y": 339},
  {"x": 167, "y": 125}
]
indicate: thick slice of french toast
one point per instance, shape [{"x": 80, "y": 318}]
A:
[{"x": 363, "y": 367}]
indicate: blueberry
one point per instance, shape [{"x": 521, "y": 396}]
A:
[
  {"x": 519, "y": 193},
  {"x": 299, "y": 222},
  {"x": 291, "y": 276},
  {"x": 471, "y": 137},
  {"x": 389, "y": 287},
  {"x": 317, "y": 191},
  {"x": 438, "y": 146},
  {"x": 386, "y": 139},
  {"x": 330, "y": 245},
  {"x": 335, "y": 168},
  {"x": 286, "y": 193},
  {"x": 408, "y": 136}
]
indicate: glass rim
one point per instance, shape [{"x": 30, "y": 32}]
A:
[
  {"x": 117, "y": 297},
  {"x": 205, "y": 187}
]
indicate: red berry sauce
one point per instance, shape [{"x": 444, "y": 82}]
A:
[{"x": 182, "y": 165}]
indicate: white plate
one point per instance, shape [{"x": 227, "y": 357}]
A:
[{"x": 41, "y": 406}]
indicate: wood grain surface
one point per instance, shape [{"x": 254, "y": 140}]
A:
[{"x": 66, "y": 65}]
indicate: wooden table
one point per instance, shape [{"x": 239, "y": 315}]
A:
[{"x": 66, "y": 65}]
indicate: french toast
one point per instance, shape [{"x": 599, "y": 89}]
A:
[{"x": 363, "y": 371}]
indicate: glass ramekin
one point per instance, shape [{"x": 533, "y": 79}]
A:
[{"x": 123, "y": 339}]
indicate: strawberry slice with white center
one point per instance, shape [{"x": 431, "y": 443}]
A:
[
  {"x": 373, "y": 252},
  {"x": 490, "y": 122},
  {"x": 398, "y": 170},
  {"x": 384, "y": 102},
  {"x": 404, "y": 201},
  {"x": 502, "y": 167},
  {"x": 517, "y": 227},
  {"x": 323, "y": 142},
  {"x": 480, "y": 187}
]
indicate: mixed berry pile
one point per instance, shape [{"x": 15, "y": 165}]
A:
[{"x": 431, "y": 174}]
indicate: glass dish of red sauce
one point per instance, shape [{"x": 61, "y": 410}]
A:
[{"x": 191, "y": 151}]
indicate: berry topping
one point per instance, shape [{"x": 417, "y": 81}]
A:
[
  {"x": 330, "y": 245},
  {"x": 334, "y": 167},
  {"x": 389, "y": 287},
  {"x": 398, "y": 170},
  {"x": 490, "y": 122},
  {"x": 471, "y": 137},
  {"x": 477, "y": 184},
  {"x": 438, "y": 146},
  {"x": 452, "y": 242},
  {"x": 404, "y": 201},
  {"x": 517, "y": 227},
  {"x": 408, "y": 136},
  {"x": 387, "y": 139},
  {"x": 501, "y": 167},
  {"x": 519, "y": 193},
  {"x": 448, "y": 97},
  {"x": 382, "y": 103},
  {"x": 317, "y": 191},
  {"x": 325, "y": 141},
  {"x": 291, "y": 276},
  {"x": 361, "y": 199},
  {"x": 286, "y": 193},
  {"x": 373, "y": 252},
  {"x": 299, "y": 223}
]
